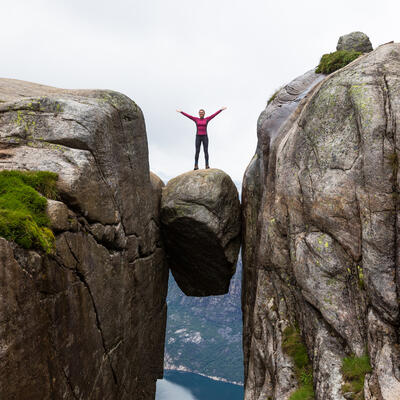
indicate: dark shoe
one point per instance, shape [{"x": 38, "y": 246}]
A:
[
  {"x": 207, "y": 166},
  {"x": 195, "y": 167}
]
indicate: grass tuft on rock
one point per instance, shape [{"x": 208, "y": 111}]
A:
[
  {"x": 23, "y": 217},
  {"x": 333, "y": 61},
  {"x": 271, "y": 99},
  {"x": 304, "y": 392},
  {"x": 294, "y": 347},
  {"x": 354, "y": 370}
]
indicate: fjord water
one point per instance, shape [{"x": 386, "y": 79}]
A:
[
  {"x": 178, "y": 385},
  {"x": 204, "y": 334}
]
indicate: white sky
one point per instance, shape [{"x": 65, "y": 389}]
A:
[{"x": 184, "y": 54}]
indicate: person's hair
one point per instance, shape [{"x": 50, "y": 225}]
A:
[{"x": 201, "y": 110}]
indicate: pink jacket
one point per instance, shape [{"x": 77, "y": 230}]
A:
[{"x": 201, "y": 123}]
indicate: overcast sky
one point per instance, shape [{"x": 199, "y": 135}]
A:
[{"x": 185, "y": 54}]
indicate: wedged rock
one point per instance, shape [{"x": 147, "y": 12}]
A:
[
  {"x": 89, "y": 320},
  {"x": 200, "y": 216},
  {"x": 356, "y": 41},
  {"x": 321, "y": 229}
]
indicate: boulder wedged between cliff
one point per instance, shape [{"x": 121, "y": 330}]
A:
[
  {"x": 200, "y": 217},
  {"x": 87, "y": 319}
]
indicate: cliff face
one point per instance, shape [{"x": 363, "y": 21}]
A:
[
  {"x": 88, "y": 321},
  {"x": 320, "y": 220}
]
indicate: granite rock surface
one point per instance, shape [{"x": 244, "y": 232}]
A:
[
  {"x": 200, "y": 216},
  {"x": 88, "y": 321},
  {"x": 355, "y": 41},
  {"x": 320, "y": 232}
]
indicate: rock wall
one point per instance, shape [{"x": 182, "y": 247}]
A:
[
  {"x": 320, "y": 221},
  {"x": 87, "y": 322}
]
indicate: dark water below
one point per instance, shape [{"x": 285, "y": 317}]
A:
[{"x": 178, "y": 385}]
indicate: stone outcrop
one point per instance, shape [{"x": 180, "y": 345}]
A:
[
  {"x": 87, "y": 322},
  {"x": 356, "y": 41},
  {"x": 321, "y": 223},
  {"x": 200, "y": 216}
]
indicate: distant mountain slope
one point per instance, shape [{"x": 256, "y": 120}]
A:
[{"x": 204, "y": 334}]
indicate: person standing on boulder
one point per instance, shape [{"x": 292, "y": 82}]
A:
[{"x": 201, "y": 135}]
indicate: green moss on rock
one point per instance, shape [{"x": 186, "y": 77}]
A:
[
  {"x": 354, "y": 370},
  {"x": 23, "y": 217},
  {"x": 333, "y": 61},
  {"x": 304, "y": 392},
  {"x": 294, "y": 347}
]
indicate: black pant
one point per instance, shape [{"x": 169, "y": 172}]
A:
[{"x": 201, "y": 139}]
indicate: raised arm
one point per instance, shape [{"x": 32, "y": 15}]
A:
[
  {"x": 187, "y": 115},
  {"x": 216, "y": 113}
]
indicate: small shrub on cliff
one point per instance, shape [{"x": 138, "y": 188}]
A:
[
  {"x": 333, "y": 61},
  {"x": 354, "y": 370},
  {"x": 293, "y": 346},
  {"x": 23, "y": 216}
]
